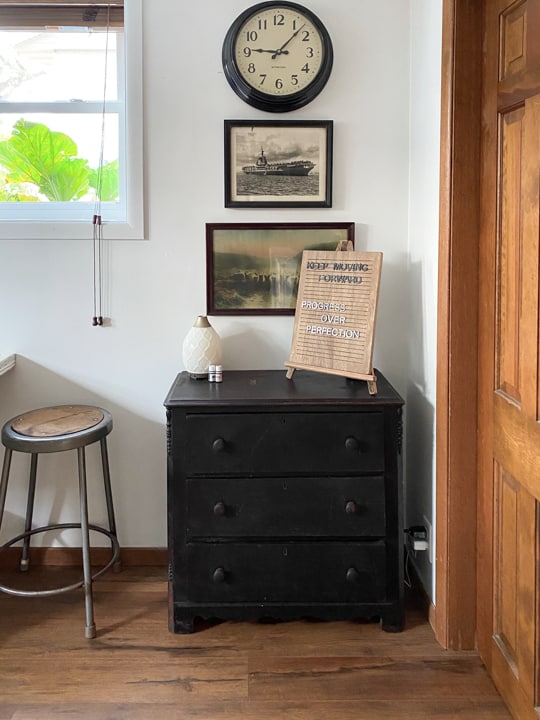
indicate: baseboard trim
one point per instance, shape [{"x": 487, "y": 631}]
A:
[{"x": 129, "y": 556}]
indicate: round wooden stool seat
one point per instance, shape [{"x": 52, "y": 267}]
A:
[
  {"x": 49, "y": 430},
  {"x": 59, "y": 420},
  {"x": 56, "y": 428}
]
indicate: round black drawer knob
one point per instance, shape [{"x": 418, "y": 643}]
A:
[
  {"x": 351, "y": 508},
  {"x": 220, "y": 509},
  {"x": 352, "y": 444},
  {"x": 218, "y": 576},
  {"x": 218, "y": 445},
  {"x": 353, "y": 575}
]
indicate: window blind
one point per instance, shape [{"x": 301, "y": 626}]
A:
[{"x": 29, "y": 13}]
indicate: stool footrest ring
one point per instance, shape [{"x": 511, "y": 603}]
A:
[{"x": 61, "y": 526}]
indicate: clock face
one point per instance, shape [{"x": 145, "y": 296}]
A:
[{"x": 277, "y": 56}]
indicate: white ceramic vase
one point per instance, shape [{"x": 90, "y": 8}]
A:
[{"x": 201, "y": 348}]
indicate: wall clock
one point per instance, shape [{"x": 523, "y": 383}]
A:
[{"x": 277, "y": 56}]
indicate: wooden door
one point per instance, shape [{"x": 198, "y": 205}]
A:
[{"x": 509, "y": 358}]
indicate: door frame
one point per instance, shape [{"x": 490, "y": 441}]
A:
[{"x": 454, "y": 613}]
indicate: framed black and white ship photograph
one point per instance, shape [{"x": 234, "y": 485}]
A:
[{"x": 278, "y": 164}]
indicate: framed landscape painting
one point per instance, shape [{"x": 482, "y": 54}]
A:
[
  {"x": 283, "y": 163},
  {"x": 254, "y": 268}
]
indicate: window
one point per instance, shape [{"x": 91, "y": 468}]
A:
[{"x": 70, "y": 119}]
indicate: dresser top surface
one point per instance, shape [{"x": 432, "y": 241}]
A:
[{"x": 271, "y": 387}]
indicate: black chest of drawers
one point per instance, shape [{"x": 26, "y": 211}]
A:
[{"x": 284, "y": 498}]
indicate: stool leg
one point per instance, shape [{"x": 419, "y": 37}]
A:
[
  {"x": 108, "y": 495},
  {"x": 25, "y": 555},
  {"x": 4, "y": 481},
  {"x": 90, "y": 629}
]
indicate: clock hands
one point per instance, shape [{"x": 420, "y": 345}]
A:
[
  {"x": 281, "y": 51},
  {"x": 259, "y": 50}
]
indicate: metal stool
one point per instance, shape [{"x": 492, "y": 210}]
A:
[{"x": 49, "y": 430}]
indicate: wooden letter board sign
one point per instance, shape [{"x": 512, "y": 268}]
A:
[{"x": 335, "y": 314}]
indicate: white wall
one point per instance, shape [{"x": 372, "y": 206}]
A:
[
  {"x": 155, "y": 288},
  {"x": 425, "y": 93}
]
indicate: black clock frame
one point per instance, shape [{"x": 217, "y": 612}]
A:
[{"x": 261, "y": 100}]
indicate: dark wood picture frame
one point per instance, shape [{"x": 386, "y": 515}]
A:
[
  {"x": 254, "y": 268},
  {"x": 283, "y": 163}
]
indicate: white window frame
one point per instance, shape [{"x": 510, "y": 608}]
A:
[{"x": 133, "y": 227}]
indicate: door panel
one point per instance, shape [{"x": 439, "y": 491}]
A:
[
  {"x": 508, "y": 427},
  {"x": 514, "y": 593},
  {"x": 517, "y": 443},
  {"x": 513, "y": 55},
  {"x": 508, "y": 325}
]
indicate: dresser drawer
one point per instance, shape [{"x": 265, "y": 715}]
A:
[
  {"x": 272, "y": 443},
  {"x": 289, "y": 572},
  {"x": 281, "y": 507}
]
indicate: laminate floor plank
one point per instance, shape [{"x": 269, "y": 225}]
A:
[
  {"x": 302, "y": 670},
  {"x": 338, "y": 710},
  {"x": 151, "y": 679},
  {"x": 317, "y": 678},
  {"x": 308, "y": 638}
]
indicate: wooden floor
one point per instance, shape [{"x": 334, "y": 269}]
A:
[{"x": 136, "y": 670}]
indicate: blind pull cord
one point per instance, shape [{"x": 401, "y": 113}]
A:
[{"x": 97, "y": 319}]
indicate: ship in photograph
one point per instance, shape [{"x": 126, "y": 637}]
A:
[{"x": 293, "y": 167}]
